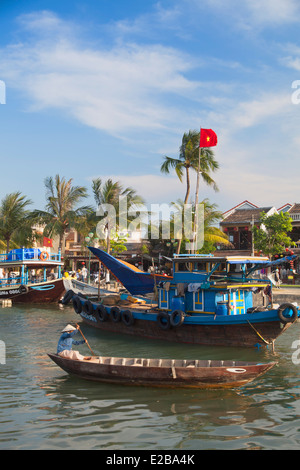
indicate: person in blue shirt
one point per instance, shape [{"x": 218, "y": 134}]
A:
[{"x": 65, "y": 342}]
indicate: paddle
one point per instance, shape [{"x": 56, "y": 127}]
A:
[{"x": 85, "y": 340}]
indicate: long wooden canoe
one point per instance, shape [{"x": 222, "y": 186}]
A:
[{"x": 163, "y": 372}]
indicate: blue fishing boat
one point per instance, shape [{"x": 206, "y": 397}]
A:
[
  {"x": 209, "y": 300},
  {"x": 31, "y": 275}
]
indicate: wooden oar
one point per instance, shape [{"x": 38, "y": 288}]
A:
[{"x": 85, "y": 340}]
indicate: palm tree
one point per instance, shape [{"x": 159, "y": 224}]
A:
[
  {"x": 212, "y": 235},
  {"x": 189, "y": 158},
  {"x": 110, "y": 193},
  {"x": 60, "y": 213},
  {"x": 13, "y": 215}
]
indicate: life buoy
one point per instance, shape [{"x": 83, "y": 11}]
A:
[
  {"x": 115, "y": 314},
  {"x": 177, "y": 318},
  {"x": 67, "y": 297},
  {"x": 88, "y": 307},
  {"x": 44, "y": 256},
  {"x": 101, "y": 313},
  {"x": 287, "y": 319},
  {"x": 127, "y": 318},
  {"x": 77, "y": 304},
  {"x": 163, "y": 319}
]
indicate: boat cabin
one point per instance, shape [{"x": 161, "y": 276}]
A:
[
  {"x": 25, "y": 266},
  {"x": 208, "y": 284}
]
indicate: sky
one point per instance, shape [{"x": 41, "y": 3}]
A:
[{"x": 107, "y": 88}]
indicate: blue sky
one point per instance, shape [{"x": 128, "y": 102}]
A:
[{"x": 106, "y": 88}]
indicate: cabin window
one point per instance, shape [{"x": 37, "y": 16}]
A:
[
  {"x": 235, "y": 268},
  {"x": 217, "y": 266},
  {"x": 221, "y": 267},
  {"x": 199, "y": 266},
  {"x": 183, "y": 266}
]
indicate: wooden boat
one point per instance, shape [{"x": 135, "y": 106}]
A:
[
  {"x": 209, "y": 300},
  {"x": 163, "y": 372},
  {"x": 31, "y": 275}
]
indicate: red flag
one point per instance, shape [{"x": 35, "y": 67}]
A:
[
  {"x": 208, "y": 138},
  {"x": 47, "y": 242}
]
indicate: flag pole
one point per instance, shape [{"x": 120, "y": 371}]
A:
[{"x": 196, "y": 200}]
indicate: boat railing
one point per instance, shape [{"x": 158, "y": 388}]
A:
[
  {"x": 194, "y": 255},
  {"x": 8, "y": 282},
  {"x": 34, "y": 254}
]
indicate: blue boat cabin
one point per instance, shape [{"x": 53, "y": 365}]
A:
[{"x": 210, "y": 285}]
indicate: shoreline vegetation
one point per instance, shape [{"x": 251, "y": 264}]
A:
[{"x": 65, "y": 210}]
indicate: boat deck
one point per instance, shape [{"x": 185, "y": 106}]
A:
[{"x": 146, "y": 362}]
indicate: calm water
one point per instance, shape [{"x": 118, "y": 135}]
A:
[{"x": 43, "y": 408}]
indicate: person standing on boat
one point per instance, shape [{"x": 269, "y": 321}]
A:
[{"x": 65, "y": 342}]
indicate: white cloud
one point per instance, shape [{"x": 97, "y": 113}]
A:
[
  {"x": 131, "y": 90},
  {"x": 253, "y": 14},
  {"x": 114, "y": 90},
  {"x": 273, "y": 12}
]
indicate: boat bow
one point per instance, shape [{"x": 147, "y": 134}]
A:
[{"x": 133, "y": 279}]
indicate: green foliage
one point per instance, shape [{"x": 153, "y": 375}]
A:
[
  {"x": 13, "y": 217},
  {"x": 117, "y": 243},
  {"x": 61, "y": 214},
  {"x": 272, "y": 238}
]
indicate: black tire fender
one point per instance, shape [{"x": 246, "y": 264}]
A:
[
  {"x": 101, "y": 313},
  {"x": 127, "y": 318},
  {"x": 77, "y": 304},
  {"x": 115, "y": 313},
  {"x": 67, "y": 297},
  {"x": 163, "y": 320},
  {"x": 88, "y": 307},
  {"x": 177, "y": 318},
  {"x": 284, "y": 307}
]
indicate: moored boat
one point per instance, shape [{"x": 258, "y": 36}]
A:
[
  {"x": 209, "y": 300},
  {"x": 31, "y": 275},
  {"x": 176, "y": 373}
]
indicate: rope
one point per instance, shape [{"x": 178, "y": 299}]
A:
[{"x": 264, "y": 340}]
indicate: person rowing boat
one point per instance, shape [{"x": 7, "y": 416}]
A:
[{"x": 66, "y": 341}]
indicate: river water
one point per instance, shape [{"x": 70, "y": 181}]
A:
[{"x": 42, "y": 407}]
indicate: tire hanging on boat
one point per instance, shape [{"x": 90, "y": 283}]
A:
[
  {"x": 77, "y": 304},
  {"x": 163, "y": 320},
  {"x": 67, "y": 297},
  {"x": 101, "y": 313},
  {"x": 88, "y": 307},
  {"x": 127, "y": 318},
  {"x": 285, "y": 319},
  {"x": 115, "y": 314},
  {"x": 177, "y": 318}
]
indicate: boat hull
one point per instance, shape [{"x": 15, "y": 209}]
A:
[
  {"x": 147, "y": 372},
  {"x": 49, "y": 291},
  {"x": 259, "y": 329}
]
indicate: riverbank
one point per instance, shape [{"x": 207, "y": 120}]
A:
[{"x": 286, "y": 294}]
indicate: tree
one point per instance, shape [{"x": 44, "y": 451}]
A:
[
  {"x": 108, "y": 194},
  {"x": 189, "y": 158},
  {"x": 61, "y": 212},
  {"x": 13, "y": 216},
  {"x": 212, "y": 235},
  {"x": 271, "y": 238}
]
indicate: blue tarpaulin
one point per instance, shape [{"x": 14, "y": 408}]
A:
[
  {"x": 136, "y": 282},
  {"x": 21, "y": 254}
]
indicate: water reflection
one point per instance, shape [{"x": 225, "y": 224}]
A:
[{"x": 44, "y": 408}]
